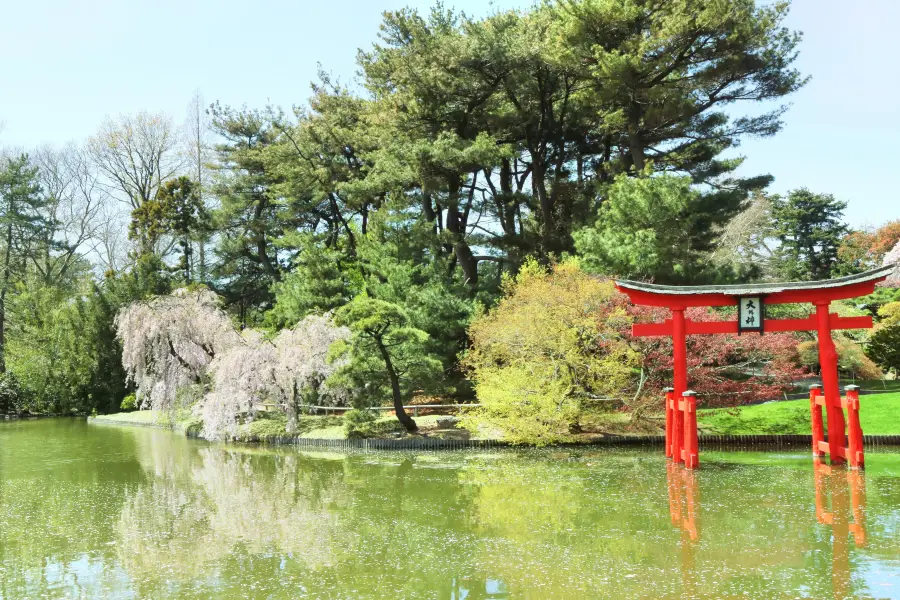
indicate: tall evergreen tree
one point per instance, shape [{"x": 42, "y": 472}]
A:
[
  {"x": 247, "y": 220},
  {"x": 177, "y": 211},
  {"x": 809, "y": 229},
  {"x": 656, "y": 228},
  {"x": 21, "y": 224}
]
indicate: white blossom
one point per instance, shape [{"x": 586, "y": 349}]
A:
[
  {"x": 303, "y": 367},
  {"x": 169, "y": 341},
  {"x": 242, "y": 378},
  {"x": 280, "y": 372},
  {"x": 893, "y": 258}
]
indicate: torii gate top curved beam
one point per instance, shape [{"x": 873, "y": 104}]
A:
[{"x": 677, "y": 296}]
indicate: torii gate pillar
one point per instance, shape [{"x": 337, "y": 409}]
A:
[
  {"x": 828, "y": 363},
  {"x": 680, "y": 404}
]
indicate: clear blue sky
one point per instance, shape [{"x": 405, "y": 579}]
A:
[{"x": 67, "y": 64}]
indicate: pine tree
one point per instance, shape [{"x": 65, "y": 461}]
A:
[
  {"x": 809, "y": 229},
  {"x": 177, "y": 210},
  {"x": 22, "y": 221},
  {"x": 247, "y": 220}
]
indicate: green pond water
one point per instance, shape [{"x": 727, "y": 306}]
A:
[{"x": 105, "y": 512}]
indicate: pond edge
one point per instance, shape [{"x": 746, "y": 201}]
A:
[{"x": 430, "y": 443}]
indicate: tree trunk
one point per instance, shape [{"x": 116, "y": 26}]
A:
[
  {"x": 186, "y": 252},
  {"x": 404, "y": 418},
  {"x": 5, "y": 285},
  {"x": 506, "y": 209},
  {"x": 202, "y": 273},
  {"x": 293, "y": 410},
  {"x": 635, "y": 143},
  {"x": 539, "y": 184},
  {"x": 456, "y": 227},
  {"x": 262, "y": 245}
]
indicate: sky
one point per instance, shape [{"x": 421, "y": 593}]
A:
[{"x": 68, "y": 64}]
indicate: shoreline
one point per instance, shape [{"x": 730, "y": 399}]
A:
[{"x": 710, "y": 441}]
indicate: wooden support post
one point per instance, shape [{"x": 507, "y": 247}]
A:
[
  {"x": 679, "y": 351},
  {"x": 691, "y": 450},
  {"x": 670, "y": 419},
  {"x": 828, "y": 364},
  {"x": 854, "y": 429},
  {"x": 815, "y": 414}
]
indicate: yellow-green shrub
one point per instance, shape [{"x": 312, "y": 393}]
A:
[{"x": 553, "y": 341}]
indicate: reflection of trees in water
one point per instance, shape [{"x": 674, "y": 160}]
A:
[
  {"x": 194, "y": 515},
  {"x": 55, "y": 507},
  {"x": 579, "y": 526},
  {"x": 199, "y": 520},
  {"x": 227, "y": 519},
  {"x": 567, "y": 528},
  {"x": 216, "y": 520}
]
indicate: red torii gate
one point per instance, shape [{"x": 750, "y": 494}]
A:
[{"x": 681, "y": 403}]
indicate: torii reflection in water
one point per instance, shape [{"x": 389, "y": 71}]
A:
[
  {"x": 845, "y": 514},
  {"x": 684, "y": 503},
  {"x": 847, "y": 489}
]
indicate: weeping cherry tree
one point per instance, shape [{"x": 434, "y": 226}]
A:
[
  {"x": 168, "y": 343},
  {"x": 291, "y": 370},
  {"x": 893, "y": 258}
]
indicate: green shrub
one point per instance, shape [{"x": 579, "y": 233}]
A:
[
  {"x": 359, "y": 423},
  {"x": 263, "y": 426},
  {"x": 884, "y": 347},
  {"x": 551, "y": 345},
  {"x": 129, "y": 403},
  {"x": 14, "y": 397}
]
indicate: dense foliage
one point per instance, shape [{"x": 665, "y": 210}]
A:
[
  {"x": 554, "y": 347},
  {"x": 884, "y": 345},
  {"x": 657, "y": 228},
  {"x": 446, "y": 204}
]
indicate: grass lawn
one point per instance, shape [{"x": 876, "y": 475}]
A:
[
  {"x": 324, "y": 427},
  {"x": 879, "y": 414},
  {"x": 138, "y": 417},
  {"x": 271, "y": 424}
]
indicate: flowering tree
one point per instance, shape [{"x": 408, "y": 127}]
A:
[
  {"x": 893, "y": 258},
  {"x": 302, "y": 367},
  {"x": 286, "y": 371},
  {"x": 726, "y": 370},
  {"x": 168, "y": 343},
  {"x": 241, "y": 378}
]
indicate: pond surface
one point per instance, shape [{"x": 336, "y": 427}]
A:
[{"x": 100, "y": 511}]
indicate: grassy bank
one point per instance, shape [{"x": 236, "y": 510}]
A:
[
  {"x": 272, "y": 425},
  {"x": 879, "y": 415}
]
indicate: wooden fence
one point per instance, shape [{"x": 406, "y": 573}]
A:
[{"x": 707, "y": 442}]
